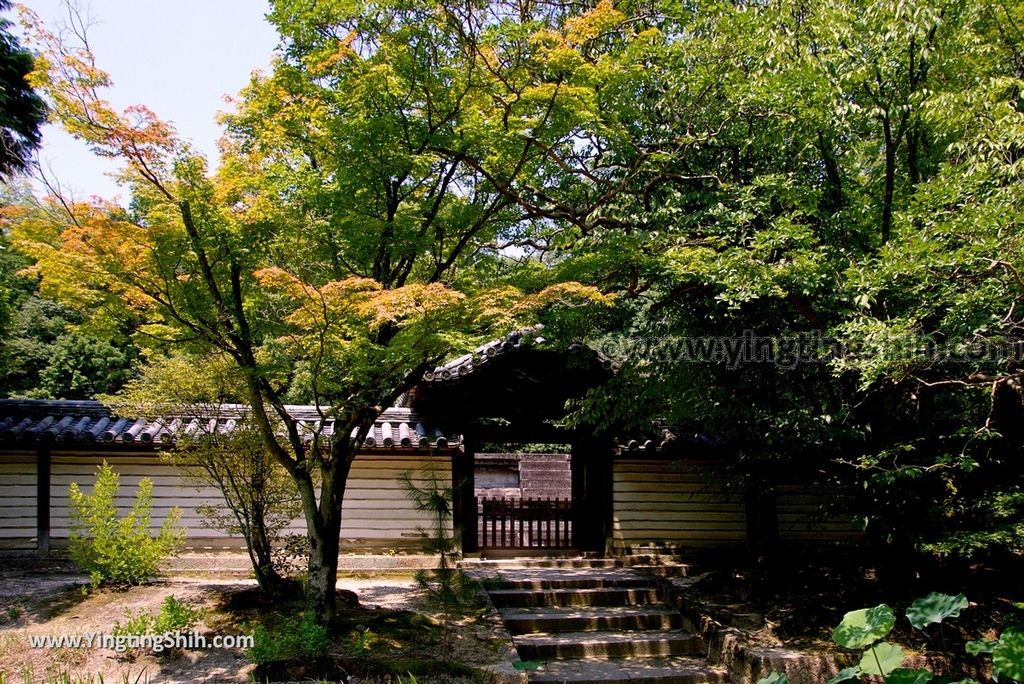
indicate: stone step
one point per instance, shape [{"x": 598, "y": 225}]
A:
[
  {"x": 677, "y": 670},
  {"x": 546, "y": 561},
  {"x": 624, "y": 644},
  {"x": 523, "y": 598},
  {"x": 555, "y": 620},
  {"x": 668, "y": 570},
  {"x": 560, "y": 578},
  {"x": 585, "y": 560}
]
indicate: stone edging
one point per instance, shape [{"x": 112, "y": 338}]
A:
[
  {"x": 737, "y": 650},
  {"x": 503, "y": 672}
]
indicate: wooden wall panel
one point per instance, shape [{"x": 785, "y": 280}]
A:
[
  {"x": 687, "y": 503},
  {"x": 809, "y": 513},
  {"x": 18, "y": 501},
  {"x": 678, "y": 503},
  {"x": 377, "y": 509}
]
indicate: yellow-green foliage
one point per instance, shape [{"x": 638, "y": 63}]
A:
[{"x": 119, "y": 549}]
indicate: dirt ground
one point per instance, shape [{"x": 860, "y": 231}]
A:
[
  {"x": 55, "y": 604},
  {"x": 797, "y": 605}
]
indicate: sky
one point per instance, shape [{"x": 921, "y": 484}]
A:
[{"x": 177, "y": 57}]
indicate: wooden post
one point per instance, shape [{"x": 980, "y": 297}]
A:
[
  {"x": 581, "y": 515},
  {"x": 591, "y": 493},
  {"x": 762, "y": 516},
  {"x": 464, "y": 513},
  {"x": 43, "y": 501}
]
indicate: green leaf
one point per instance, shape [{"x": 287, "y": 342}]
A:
[
  {"x": 980, "y": 646},
  {"x": 526, "y": 664},
  {"x": 881, "y": 659},
  {"x": 846, "y": 674},
  {"x": 1008, "y": 655},
  {"x": 906, "y": 675},
  {"x": 864, "y": 627},
  {"x": 935, "y": 608},
  {"x": 774, "y": 678}
]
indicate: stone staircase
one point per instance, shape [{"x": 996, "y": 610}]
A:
[{"x": 593, "y": 620}]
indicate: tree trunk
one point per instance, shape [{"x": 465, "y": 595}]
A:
[
  {"x": 261, "y": 554},
  {"x": 914, "y": 155},
  {"x": 832, "y": 201},
  {"x": 322, "y": 572},
  {"x": 325, "y": 531},
  {"x": 890, "y": 179}
]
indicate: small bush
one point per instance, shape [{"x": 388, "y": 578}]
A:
[
  {"x": 360, "y": 642},
  {"x": 298, "y": 637},
  {"x": 174, "y": 616},
  {"x": 445, "y": 588},
  {"x": 119, "y": 549}
]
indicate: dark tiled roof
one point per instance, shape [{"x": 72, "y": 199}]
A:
[
  {"x": 91, "y": 422},
  {"x": 466, "y": 364},
  {"x": 667, "y": 442},
  {"x": 527, "y": 338}
]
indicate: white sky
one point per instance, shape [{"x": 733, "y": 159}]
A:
[{"x": 177, "y": 57}]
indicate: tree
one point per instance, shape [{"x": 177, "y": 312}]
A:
[
  {"x": 49, "y": 350},
  {"x": 119, "y": 548},
  {"x": 334, "y": 255},
  {"x": 22, "y": 111},
  {"x": 445, "y": 588},
  {"x": 845, "y": 175},
  {"x": 259, "y": 497},
  {"x": 45, "y": 357}
]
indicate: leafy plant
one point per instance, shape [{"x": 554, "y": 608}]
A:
[
  {"x": 360, "y": 642},
  {"x": 119, "y": 549},
  {"x": 301, "y": 636},
  {"x": 865, "y": 628},
  {"x": 173, "y": 616},
  {"x": 258, "y": 499},
  {"x": 446, "y": 587},
  {"x": 15, "y": 610},
  {"x": 527, "y": 665},
  {"x": 933, "y": 609},
  {"x": 1007, "y": 653},
  {"x": 774, "y": 678},
  {"x": 28, "y": 676}
]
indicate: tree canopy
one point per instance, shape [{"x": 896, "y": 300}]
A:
[
  {"x": 678, "y": 181},
  {"x": 22, "y": 110},
  {"x": 346, "y": 244}
]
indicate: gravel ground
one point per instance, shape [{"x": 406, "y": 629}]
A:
[{"x": 33, "y": 604}]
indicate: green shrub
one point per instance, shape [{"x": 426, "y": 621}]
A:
[
  {"x": 119, "y": 549},
  {"x": 174, "y": 616},
  {"x": 865, "y": 628},
  {"x": 445, "y": 588},
  {"x": 360, "y": 642},
  {"x": 298, "y": 637}
]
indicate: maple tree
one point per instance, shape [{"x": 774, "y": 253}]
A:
[
  {"x": 847, "y": 172},
  {"x": 340, "y": 250}
]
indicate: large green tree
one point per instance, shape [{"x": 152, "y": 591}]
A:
[
  {"x": 22, "y": 111},
  {"x": 842, "y": 176},
  {"x": 349, "y": 240}
]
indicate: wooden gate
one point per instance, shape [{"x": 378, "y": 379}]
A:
[{"x": 524, "y": 523}]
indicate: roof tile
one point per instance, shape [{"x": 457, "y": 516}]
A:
[{"x": 85, "y": 422}]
